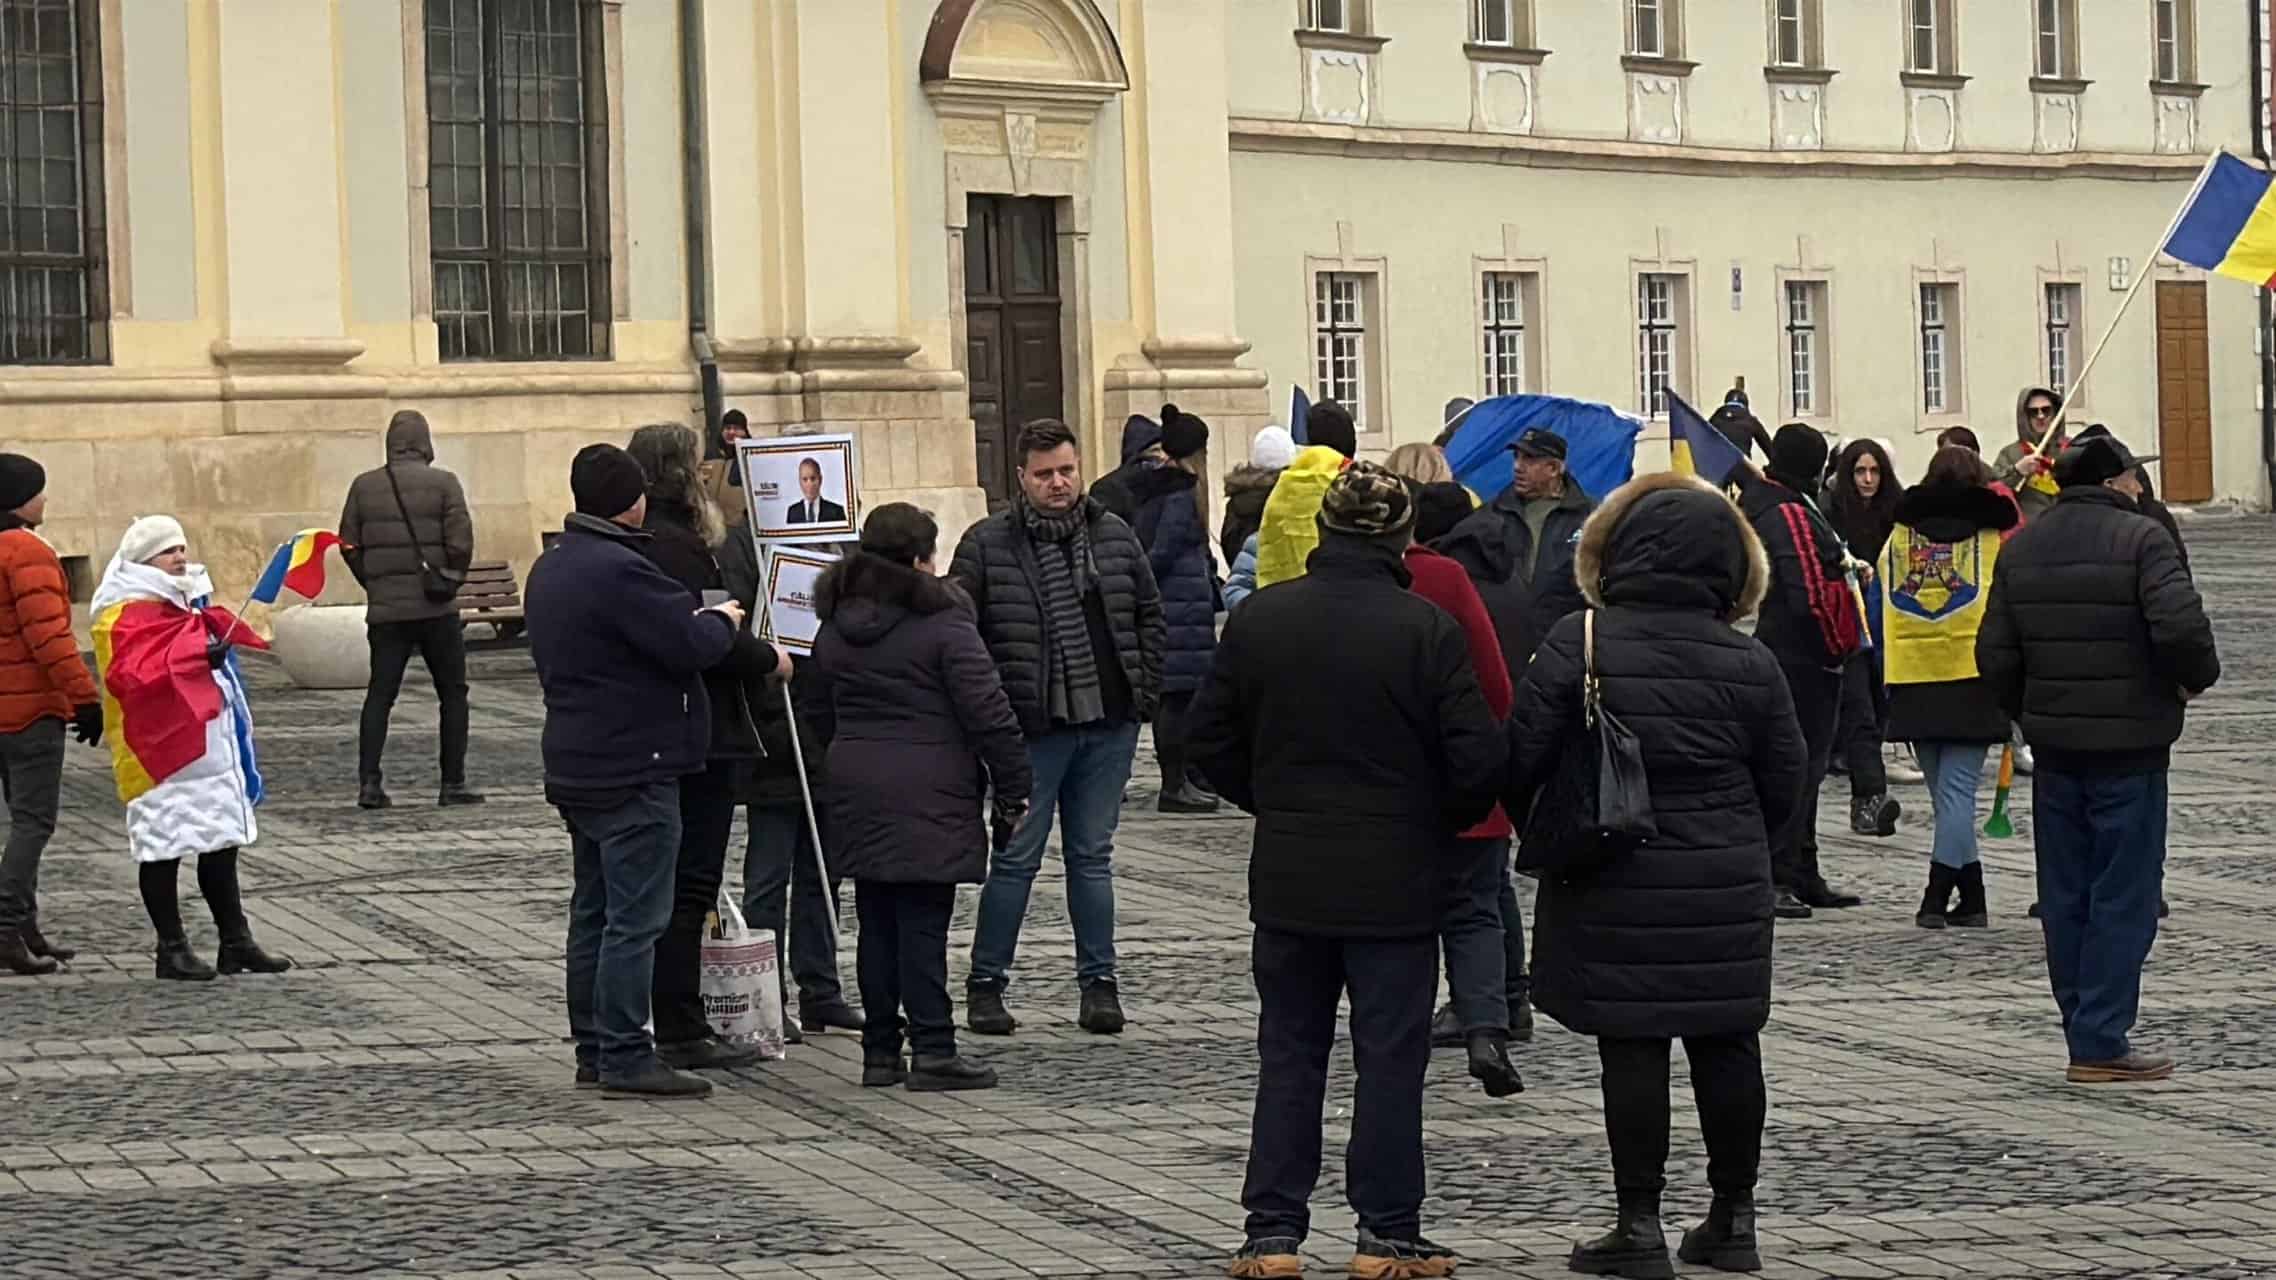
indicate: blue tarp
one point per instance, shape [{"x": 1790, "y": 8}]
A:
[{"x": 1600, "y": 442}]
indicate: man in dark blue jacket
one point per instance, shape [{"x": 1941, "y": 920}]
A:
[{"x": 620, "y": 657}]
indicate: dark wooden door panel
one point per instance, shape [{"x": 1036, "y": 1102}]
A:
[
  {"x": 1012, "y": 323},
  {"x": 2184, "y": 392}
]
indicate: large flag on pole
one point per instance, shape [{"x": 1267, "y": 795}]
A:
[
  {"x": 1600, "y": 442},
  {"x": 2228, "y": 224},
  {"x": 1696, "y": 447}
]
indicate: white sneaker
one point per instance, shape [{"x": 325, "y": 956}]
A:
[{"x": 1903, "y": 767}]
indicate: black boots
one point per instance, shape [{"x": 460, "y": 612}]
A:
[
  {"x": 1725, "y": 1241},
  {"x": 1635, "y": 1249},
  {"x": 985, "y": 1013},
  {"x": 1788, "y": 905},
  {"x": 37, "y": 943},
  {"x": 243, "y": 955},
  {"x": 370, "y": 795},
  {"x": 1972, "y": 912},
  {"x": 1938, "y": 897},
  {"x": 17, "y": 958},
  {"x": 1186, "y": 798},
  {"x": 1445, "y": 1028},
  {"x": 1490, "y": 1064},
  {"x": 1874, "y": 815},
  {"x": 883, "y": 1071},
  {"x": 177, "y": 963},
  {"x": 1101, "y": 1012},
  {"x": 951, "y": 1074},
  {"x": 452, "y": 793}
]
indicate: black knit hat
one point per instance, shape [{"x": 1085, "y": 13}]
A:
[
  {"x": 1798, "y": 456},
  {"x": 1368, "y": 501},
  {"x": 605, "y": 481},
  {"x": 1438, "y": 508},
  {"x": 21, "y": 480},
  {"x": 1183, "y": 435}
]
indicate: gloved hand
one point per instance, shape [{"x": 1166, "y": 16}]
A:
[
  {"x": 216, "y": 652},
  {"x": 1005, "y": 823},
  {"x": 87, "y": 723}
]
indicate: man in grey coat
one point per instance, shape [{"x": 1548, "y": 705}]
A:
[{"x": 402, "y": 521}]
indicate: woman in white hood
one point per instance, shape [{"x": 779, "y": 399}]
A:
[{"x": 181, "y": 740}]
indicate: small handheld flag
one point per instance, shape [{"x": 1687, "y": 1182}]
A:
[
  {"x": 2228, "y": 224},
  {"x": 297, "y": 566},
  {"x": 1299, "y": 416},
  {"x": 1697, "y": 448},
  {"x": 1997, "y": 826}
]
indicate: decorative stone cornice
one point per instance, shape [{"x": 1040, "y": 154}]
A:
[
  {"x": 285, "y": 355},
  {"x": 1201, "y": 351}
]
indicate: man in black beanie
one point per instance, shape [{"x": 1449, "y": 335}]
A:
[
  {"x": 620, "y": 657},
  {"x": 43, "y": 685},
  {"x": 1810, "y": 623}
]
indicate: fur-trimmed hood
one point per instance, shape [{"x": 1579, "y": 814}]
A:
[
  {"x": 1673, "y": 542},
  {"x": 1247, "y": 479},
  {"x": 867, "y": 596}
]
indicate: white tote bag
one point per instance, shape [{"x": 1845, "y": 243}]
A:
[{"x": 742, "y": 982}]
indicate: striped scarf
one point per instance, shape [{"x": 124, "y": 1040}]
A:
[{"x": 1063, "y": 561}]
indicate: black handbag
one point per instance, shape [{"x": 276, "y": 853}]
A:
[
  {"x": 437, "y": 582},
  {"x": 1597, "y": 803}
]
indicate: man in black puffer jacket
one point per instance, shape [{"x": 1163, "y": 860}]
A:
[
  {"x": 1518, "y": 549},
  {"x": 1073, "y": 617},
  {"x": 1363, "y": 756},
  {"x": 2093, "y": 639}
]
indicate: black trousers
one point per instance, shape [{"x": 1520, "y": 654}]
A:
[
  {"x": 217, "y": 880},
  {"x": 1472, "y": 933},
  {"x": 1726, "y": 1086},
  {"x": 1169, "y": 738},
  {"x": 1864, "y": 710},
  {"x": 1817, "y": 704},
  {"x": 1299, "y": 979},
  {"x": 707, "y": 813},
  {"x": 902, "y": 965},
  {"x": 441, "y": 644}
]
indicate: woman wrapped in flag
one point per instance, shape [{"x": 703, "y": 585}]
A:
[{"x": 181, "y": 740}]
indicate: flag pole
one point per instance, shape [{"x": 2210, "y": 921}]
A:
[
  {"x": 765, "y": 603},
  {"x": 2148, "y": 269}
]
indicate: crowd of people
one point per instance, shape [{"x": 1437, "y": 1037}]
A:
[{"x": 1717, "y": 651}]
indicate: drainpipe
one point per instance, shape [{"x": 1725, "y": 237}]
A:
[
  {"x": 695, "y": 184},
  {"x": 2257, "y": 11}
]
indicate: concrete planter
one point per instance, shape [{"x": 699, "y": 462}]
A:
[{"x": 322, "y": 646}]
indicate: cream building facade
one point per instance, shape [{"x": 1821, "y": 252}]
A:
[{"x": 245, "y": 232}]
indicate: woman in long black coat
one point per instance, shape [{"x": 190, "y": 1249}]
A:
[
  {"x": 1673, "y": 939},
  {"x": 1170, "y": 526},
  {"x": 919, "y": 731}
]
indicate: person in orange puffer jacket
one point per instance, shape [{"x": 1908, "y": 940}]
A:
[{"x": 43, "y": 683}]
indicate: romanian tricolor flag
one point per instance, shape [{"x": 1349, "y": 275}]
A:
[
  {"x": 2228, "y": 224},
  {"x": 298, "y": 566}
]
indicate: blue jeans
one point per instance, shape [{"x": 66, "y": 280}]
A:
[
  {"x": 1470, "y": 931},
  {"x": 1955, "y": 770},
  {"x": 1080, "y": 773},
  {"x": 625, "y": 859},
  {"x": 2100, "y": 841}
]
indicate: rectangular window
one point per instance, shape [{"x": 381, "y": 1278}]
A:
[
  {"x": 1939, "y": 349},
  {"x": 1790, "y": 41},
  {"x": 1807, "y": 379},
  {"x": 2064, "y": 302},
  {"x": 1329, "y": 15},
  {"x": 1501, "y": 319},
  {"x": 1647, "y": 28},
  {"x": 54, "y": 286},
  {"x": 1659, "y": 341},
  {"x": 2174, "y": 24},
  {"x": 1497, "y": 22},
  {"x": 1340, "y": 329},
  {"x": 1929, "y": 47},
  {"x": 2057, "y": 40},
  {"x": 517, "y": 128}
]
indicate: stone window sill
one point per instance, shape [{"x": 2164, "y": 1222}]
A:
[
  {"x": 1799, "y": 75},
  {"x": 1932, "y": 80},
  {"x": 2058, "y": 84},
  {"x": 1641, "y": 63},
  {"x": 2177, "y": 88},
  {"x": 1505, "y": 53},
  {"x": 1347, "y": 41}
]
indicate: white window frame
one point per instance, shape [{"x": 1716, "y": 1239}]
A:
[
  {"x": 1508, "y": 332},
  {"x": 1346, "y": 310},
  {"x": 1346, "y": 17},
  {"x": 1929, "y": 24},
  {"x": 1512, "y": 16},
  {"x": 2062, "y": 333},
  {"x": 1806, "y": 345},
  {"x": 2173, "y": 41},
  {"x": 2054, "y": 39},
  {"x": 1663, "y": 19},
  {"x": 1945, "y": 368},
  {"x": 1663, "y": 328},
  {"x": 1796, "y": 34}
]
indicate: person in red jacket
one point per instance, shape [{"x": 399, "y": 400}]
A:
[
  {"x": 1484, "y": 944},
  {"x": 43, "y": 683}
]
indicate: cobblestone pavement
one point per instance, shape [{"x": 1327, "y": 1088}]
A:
[{"x": 400, "y": 1105}]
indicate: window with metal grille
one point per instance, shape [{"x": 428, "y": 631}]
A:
[
  {"x": 1656, "y": 334},
  {"x": 1502, "y": 329},
  {"x": 1929, "y": 27},
  {"x": 1329, "y": 15},
  {"x": 1938, "y": 305},
  {"x": 1647, "y": 26},
  {"x": 1340, "y": 339},
  {"x": 2173, "y": 22},
  {"x": 1805, "y": 349},
  {"x": 54, "y": 283},
  {"x": 2063, "y": 305},
  {"x": 517, "y": 169},
  {"x": 2057, "y": 42}
]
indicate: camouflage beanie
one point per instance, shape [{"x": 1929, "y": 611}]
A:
[{"x": 1368, "y": 501}]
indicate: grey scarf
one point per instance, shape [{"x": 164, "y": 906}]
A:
[{"x": 1063, "y": 561}]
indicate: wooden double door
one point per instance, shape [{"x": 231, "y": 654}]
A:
[
  {"x": 2184, "y": 393},
  {"x": 1012, "y": 324}
]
